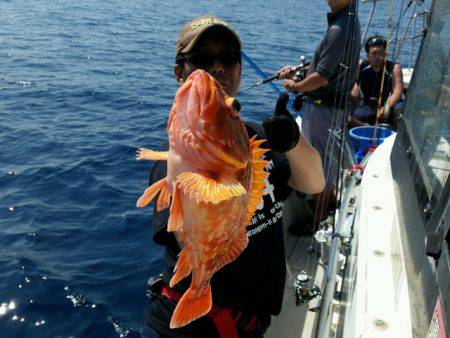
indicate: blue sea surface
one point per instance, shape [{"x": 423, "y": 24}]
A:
[{"x": 82, "y": 84}]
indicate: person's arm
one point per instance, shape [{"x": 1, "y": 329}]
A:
[
  {"x": 397, "y": 91},
  {"x": 355, "y": 122},
  {"x": 354, "y": 94},
  {"x": 330, "y": 57},
  {"x": 397, "y": 86},
  {"x": 306, "y": 168},
  {"x": 309, "y": 84},
  {"x": 283, "y": 135}
]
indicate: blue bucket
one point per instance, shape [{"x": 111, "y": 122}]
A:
[{"x": 362, "y": 138}]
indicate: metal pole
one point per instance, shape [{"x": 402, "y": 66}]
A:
[{"x": 413, "y": 34}]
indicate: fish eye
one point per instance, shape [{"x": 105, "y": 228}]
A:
[{"x": 234, "y": 104}]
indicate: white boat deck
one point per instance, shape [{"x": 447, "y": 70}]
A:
[
  {"x": 380, "y": 303},
  {"x": 297, "y": 321}
]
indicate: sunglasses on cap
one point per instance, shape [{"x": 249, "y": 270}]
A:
[
  {"x": 205, "y": 60},
  {"x": 376, "y": 41}
]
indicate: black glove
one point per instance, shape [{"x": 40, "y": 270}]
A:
[{"x": 281, "y": 129}]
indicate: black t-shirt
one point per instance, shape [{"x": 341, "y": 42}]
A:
[
  {"x": 370, "y": 83},
  {"x": 254, "y": 282}
]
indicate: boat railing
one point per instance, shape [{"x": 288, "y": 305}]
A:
[
  {"x": 412, "y": 27},
  {"x": 342, "y": 233},
  {"x": 419, "y": 166}
]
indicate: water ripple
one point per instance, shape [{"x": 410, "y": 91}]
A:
[{"x": 82, "y": 85}]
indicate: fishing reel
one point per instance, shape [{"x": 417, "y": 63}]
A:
[
  {"x": 305, "y": 290},
  {"x": 300, "y": 70},
  {"x": 299, "y": 75}
]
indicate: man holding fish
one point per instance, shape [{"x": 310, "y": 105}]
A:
[{"x": 219, "y": 197}]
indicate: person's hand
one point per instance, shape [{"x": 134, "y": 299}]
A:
[
  {"x": 354, "y": 96},
  {"x": 282, "y": 131},
  {"x": 290, "y": 85},
  {"x": 386, "y": 110},
  {"x": 286, "y": 72}
]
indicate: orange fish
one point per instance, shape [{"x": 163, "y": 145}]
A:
[{"x": 213, "y": 185}]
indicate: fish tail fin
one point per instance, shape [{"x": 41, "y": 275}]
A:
[
  {"x": 150, "y": 193},
  {"x": 194, "y": 304},
  {"x": 151, "y": 155},
  {"x": 183, "y": 267}
]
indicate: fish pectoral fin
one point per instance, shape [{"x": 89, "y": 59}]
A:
[
  {"x": 194, "y": 304},
  {"x": 151, "y": 155},
  {"x": 176, "y": 211},
  {"x": 163, "y": 198},
  {"x": 183, "y": 267},
  {"x": 209, "y": 190},
  {"x": 150, "y": 193}
]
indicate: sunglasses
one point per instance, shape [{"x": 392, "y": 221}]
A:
[
  {"x": 205, "y": 60},
  {"x": 376, "y": 42}
]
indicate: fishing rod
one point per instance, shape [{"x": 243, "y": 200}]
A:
[
  {"x": 268, "y": 80},
  {"x": 259, "y": 72}
]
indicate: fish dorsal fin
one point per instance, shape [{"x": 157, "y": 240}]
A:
[
  {"x": 150, "y": 193},
  {"x": 151, "y": 155},
  {"x": 208, "y": 190},
  {"x": 256, "y": 190}
]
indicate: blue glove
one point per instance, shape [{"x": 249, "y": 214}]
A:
[{"x": 282, "y": 131}]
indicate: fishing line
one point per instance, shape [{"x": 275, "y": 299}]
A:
[
  {"x": 397, "y": 28},
  {"x": 345, "y": 89},
  {"x": 260, "y": 72},
  {"x": 342, "y": 116},
  {"x": 380, "y": 94},
  {"x": 369, "y": 20},
  {"x": 338, "y": 116},
  {"x": 330, "y": 146},
  {"x": 265, "y": 78}
]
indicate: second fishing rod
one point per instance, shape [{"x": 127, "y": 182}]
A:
[{"x": 299, "y": 74}]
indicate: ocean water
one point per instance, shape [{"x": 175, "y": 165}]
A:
[{"x": 82, "y": 84}]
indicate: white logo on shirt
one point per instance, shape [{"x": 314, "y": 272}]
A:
[
  {"x": 275, "y": 212},
  {"x": 269, "y": 188}
]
